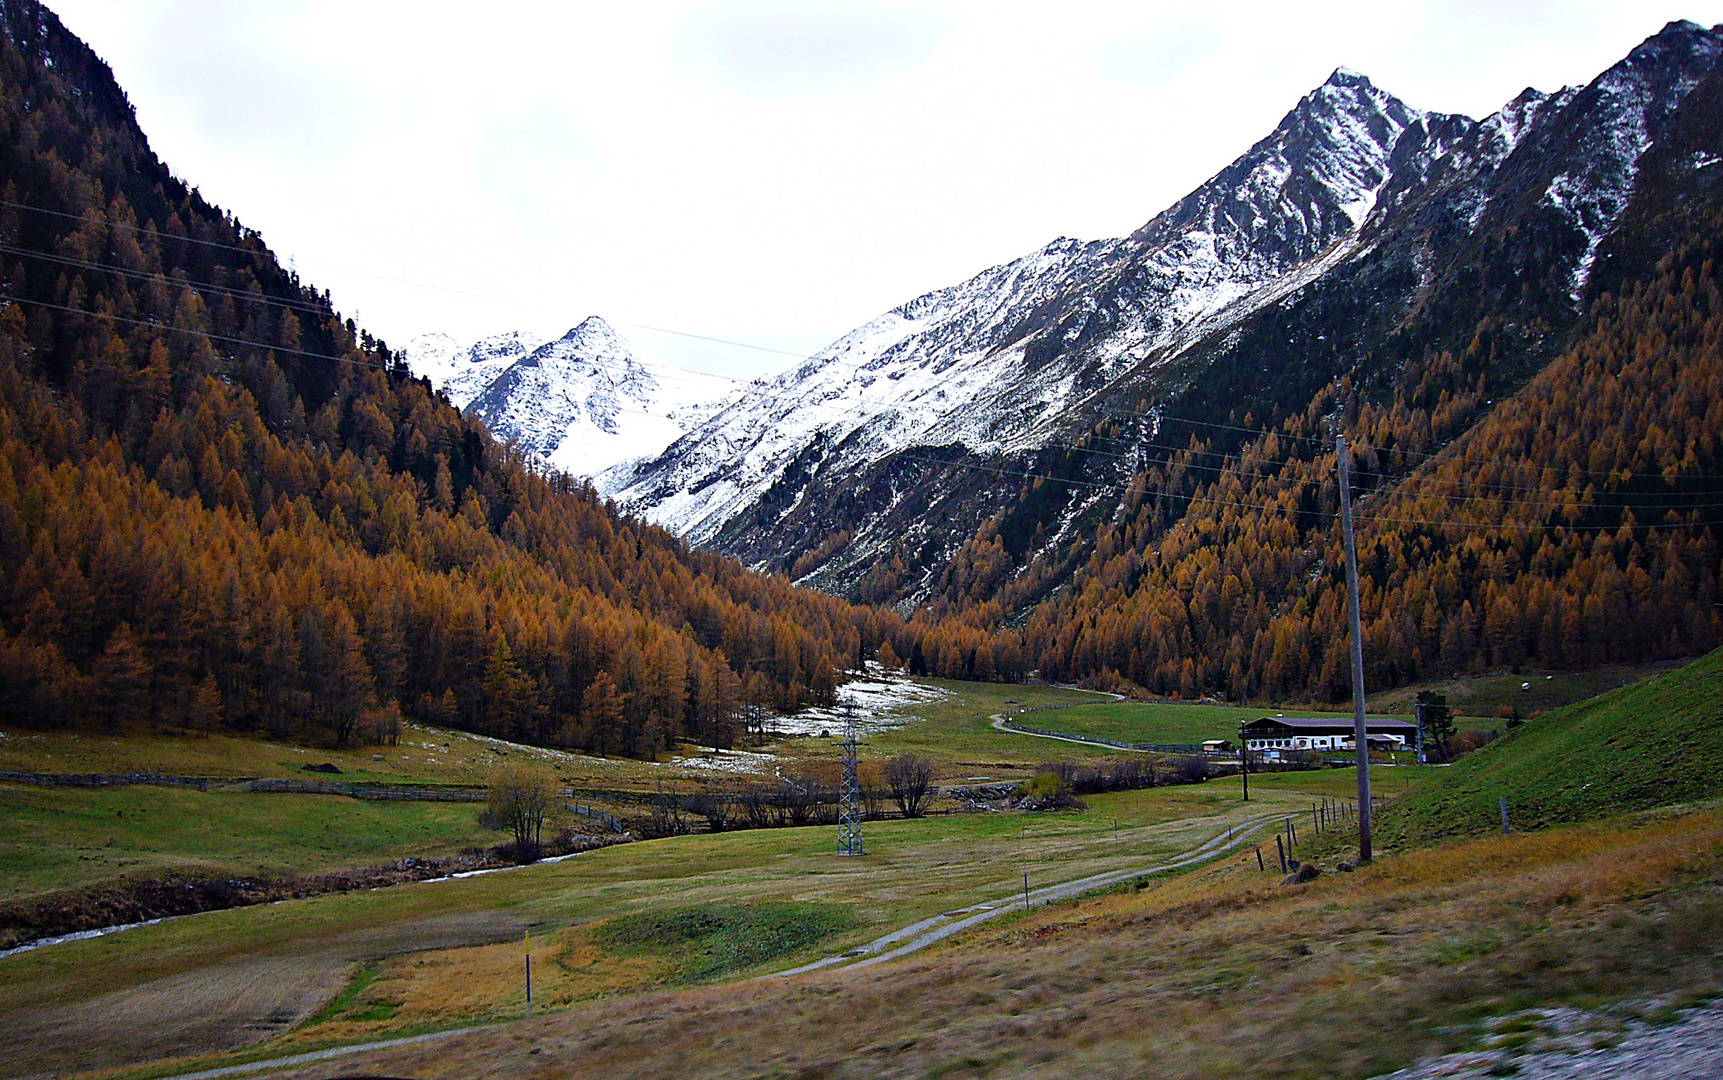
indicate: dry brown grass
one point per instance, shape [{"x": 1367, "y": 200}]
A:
[
  {"x": 237, "y": 1006},
  {"x": 445, "y": 986},
  {"x": 1218, "y": 973}
]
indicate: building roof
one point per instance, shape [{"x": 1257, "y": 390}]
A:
[{"x": 1371, "y": 723}]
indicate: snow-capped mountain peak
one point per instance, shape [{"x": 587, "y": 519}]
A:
[
  {"x": 580, "y": 403},
  {"x": 463, "y": 371},
  {"x": 1354, "y": 196}
]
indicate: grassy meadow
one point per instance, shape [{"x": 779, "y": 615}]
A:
[
  {"x": 1165, "y": 976},
  {"x": 440, "y": 953},
  {"x": 60, "y": 838},
  {"x": 57, "y": 838},
  {"x": 1217, "y": 972},
  {"x": 1158, "y": 722}
]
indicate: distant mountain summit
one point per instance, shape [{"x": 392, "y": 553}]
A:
[
  {"x": 462, "y": 372},
  {"x": 580, "y": 404},
  {"x": 1360, "y": 236}
]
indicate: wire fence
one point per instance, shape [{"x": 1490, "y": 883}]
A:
[
  {"x": 389, "y": 792},
  {"x": 201, "y": 783}
]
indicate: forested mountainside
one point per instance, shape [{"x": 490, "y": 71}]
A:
[
  {"x": 1577, "y": 523},
  {"x": 1123, "y": 448},
  {"x": 221, "y": 504}
]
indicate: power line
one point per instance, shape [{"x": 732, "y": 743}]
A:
[
  {"x": 144, "y": 275},
  {"x": 857, "y": 410},
  {"x": 261, "y": 249},
  {"x": 1020, "y": 476},
  {"x": 1028, "y": 477},
  {"x": 196, "y": 333}
]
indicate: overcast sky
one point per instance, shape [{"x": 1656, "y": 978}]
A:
[{"x": 767, "y": 171}]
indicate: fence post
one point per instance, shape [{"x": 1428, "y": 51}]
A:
[
  {"x": 1504, "y": 804},
  {"x": 1281, "y": 852}
]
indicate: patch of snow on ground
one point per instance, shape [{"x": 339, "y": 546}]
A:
[
  {"x": 713, "y": 759},
  {"x": 882, "y": 701}
]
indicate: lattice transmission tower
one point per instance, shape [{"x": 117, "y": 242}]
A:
[{"x": 849, "y": 787}]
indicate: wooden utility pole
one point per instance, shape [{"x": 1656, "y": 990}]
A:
[
  {"x": 1244, "y": 761},
  {"x": 1360, "y": 736}
]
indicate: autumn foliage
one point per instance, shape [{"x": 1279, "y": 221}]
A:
[
  {"x": 222, "y": 505},
  {"x": 1575, "y": 523}
]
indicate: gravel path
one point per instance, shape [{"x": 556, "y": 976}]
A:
[
  {"x": 1001, "y": 723},
  {"x": 919, "y": 935}
]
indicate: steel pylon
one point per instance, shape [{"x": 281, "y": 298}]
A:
[{"x": 849, "y": 787}]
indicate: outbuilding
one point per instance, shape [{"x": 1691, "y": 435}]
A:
[{"x": 1273, "y": 734}]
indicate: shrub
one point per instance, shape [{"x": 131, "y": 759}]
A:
[{"x": 1046, "y": 791}]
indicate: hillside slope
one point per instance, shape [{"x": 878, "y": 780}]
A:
[
  {"x": 221, "y": 504},
  {"x": 1654, "y": 743},
  {"x": 1123, "y": 449},
  {"x": 1359, "y": 237}
]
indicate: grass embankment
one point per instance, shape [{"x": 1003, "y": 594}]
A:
[
  {"x": 59, "y": 838},
  {"x": 1220, "y": 972},
  {"x": 1483, "y": 697},
  {"x": 425, "y": 755},
  {"x": 1652, "y": 743}
]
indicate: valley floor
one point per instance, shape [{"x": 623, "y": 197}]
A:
[
  {"x": 1221, "y": 972},
  {"x": 648, "y": 956}
]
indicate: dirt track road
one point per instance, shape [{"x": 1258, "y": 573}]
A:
[
  {"x": 899, "y": 943},
  {"x": 222, "y": 1006}
]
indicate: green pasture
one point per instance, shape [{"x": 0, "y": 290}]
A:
[
  {"x": 912, "y": 869},
  {"x": 1386, "y": 781},
  {"x": 957, "y": 730},
  {"x": 1156, "y": 722},
  {"x": 424, "y": 755},
  {"x": 1496, "y": 696},
  {"x": 56, "y": 838},
  {"x": 1641, "y": 745}
]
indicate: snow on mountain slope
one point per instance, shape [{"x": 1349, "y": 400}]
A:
[
  {"x": 463, "y": 371},
  {"x": 966, "y": 364},
  {"x": 1014, "y": 359},
  {"x": 580, "y": 404}
]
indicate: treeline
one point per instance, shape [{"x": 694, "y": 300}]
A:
[
  {"x": 1575, "y": 523},
  {"x": 222, "y": 505}
]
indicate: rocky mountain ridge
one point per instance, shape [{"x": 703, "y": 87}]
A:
[{"x": 1360, "y": 235}]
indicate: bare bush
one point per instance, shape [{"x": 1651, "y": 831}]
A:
[
  {"x": 797, "y": 799},
  {"x": 518, "y": 802},
  {"x": 1190, "y": 769},
  {"x": 761, "y": 807},
  {"x": 717, "y": 807},
  {"x": 910, "y": 779},
  {"x": 667, "y": 817}
]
